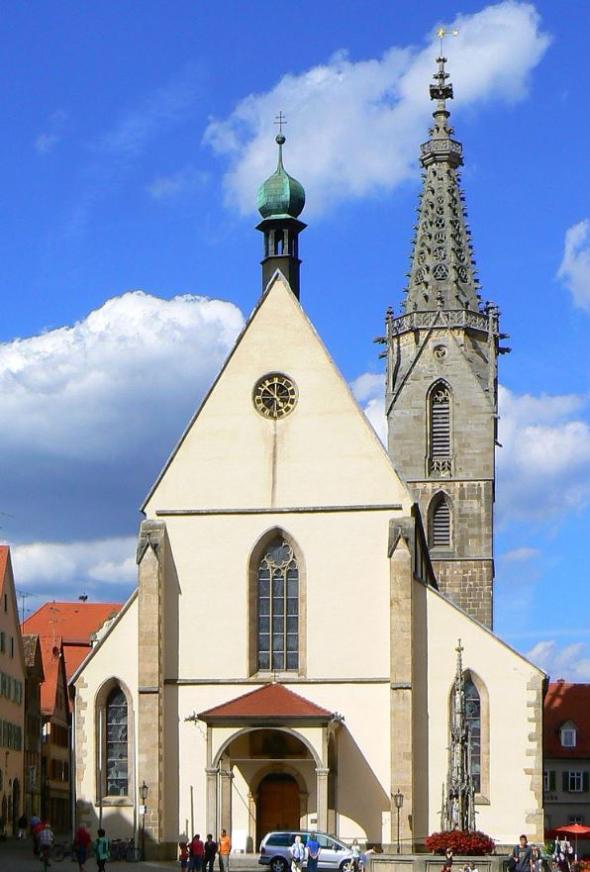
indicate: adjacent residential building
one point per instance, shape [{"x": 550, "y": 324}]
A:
[
  {"x": 33, "y": 723},
  {"x": 65, "y": 631},
  {"x": 567, "y": 755},
  {"x": 12, "y": 702}
]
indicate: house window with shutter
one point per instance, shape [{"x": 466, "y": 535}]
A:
[
  {"x": 439, "y": 418},
  {"x": 576, "y": 781},
  {"x": 439, "y": 522},
  {"x": 549, "y": 780}
]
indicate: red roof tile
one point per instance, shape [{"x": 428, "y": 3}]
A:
[
  {"x": 269, "y": 703},
  {"x": 567, "y": 702},
  {"x": 51, "y": 657}
]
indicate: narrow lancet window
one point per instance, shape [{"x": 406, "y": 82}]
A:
[
  {"x": 117, "y": 744},
  {"x": 440, "y": 430},
  {"x": 440, "y": 522}
]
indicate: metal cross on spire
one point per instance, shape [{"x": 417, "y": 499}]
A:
[{"x": 280, "y": 120}]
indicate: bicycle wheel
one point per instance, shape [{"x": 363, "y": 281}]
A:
[{"x": 58, "y": 852}]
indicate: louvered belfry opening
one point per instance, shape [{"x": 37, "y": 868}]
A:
[
  {"x": 440, "y": 523},
  {"x": 440, "y": 429}
]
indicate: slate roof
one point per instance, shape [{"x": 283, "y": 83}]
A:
[
  {"x": 567, "y": 702},
  {"x": 270, "y": 703}
]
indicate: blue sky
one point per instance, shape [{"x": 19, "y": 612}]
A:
[{"x": 134, "y": 138}]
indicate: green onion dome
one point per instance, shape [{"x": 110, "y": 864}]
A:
[{"x": 280, "y": 196}]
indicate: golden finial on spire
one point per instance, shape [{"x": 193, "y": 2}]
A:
[{"x": 441, "y": 32}]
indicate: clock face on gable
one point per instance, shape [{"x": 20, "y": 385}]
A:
[{"x": 275, "y": 395}]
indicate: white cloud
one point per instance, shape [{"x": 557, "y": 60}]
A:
[
  {"x": 354, "y": 127},
  {"x": 544, "y": 464},
  {"x": 48, "y": 139},
  {"x": 369, "y": 385},
  {"x": 575, "y": 266},
  {"x": 571, "y": 662},
  {"x": 91, "y": 411},
  {"x": 49, "y": 564},
  {"x": 520, "y": 555},
  {"x": 46, "y": 142},
  {"x": 184, "y": 181}
]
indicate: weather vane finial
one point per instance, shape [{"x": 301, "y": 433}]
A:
[{"x": 441, "y": 32}]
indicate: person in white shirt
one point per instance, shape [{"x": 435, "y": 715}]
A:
[{"x": 297, "y": 851}]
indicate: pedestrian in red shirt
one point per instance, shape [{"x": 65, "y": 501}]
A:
[
  {"x": 82, "y": 841},
  {"x": 197, "y": 851}
]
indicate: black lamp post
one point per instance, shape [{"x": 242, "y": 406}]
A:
[
  {"x": 398, "y": 799},
  {"x": 143, "y": 792}
]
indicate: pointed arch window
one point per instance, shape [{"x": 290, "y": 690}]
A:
[
  {"x": 117, "y": 743},
  {"x": 439, "y": 425},
  {"x": 473, "y": 721},
  {"x": 277, "y": 601},
  {"x": 439, "y": 528}
]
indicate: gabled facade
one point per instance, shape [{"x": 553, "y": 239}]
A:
[{"x": 12, "y": 699}]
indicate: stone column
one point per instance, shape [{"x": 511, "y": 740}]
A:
[
  {"x": 226, "y": 777},
  {"x": 322, "y": 798},
  {"x": 211, "y": 813}
]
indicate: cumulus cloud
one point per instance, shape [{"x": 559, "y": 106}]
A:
[
  {"x": 572, "y": 662},
  {"x": 91, "y": 411},
  {"x": 544, "y": 464},
  {"x": 354, "y": 126},
  {"x": 47, "y": 564},
  {"x": 575, "y": 266}
]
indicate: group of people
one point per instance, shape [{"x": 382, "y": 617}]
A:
[
  {"x": 199, "y": 856},
  {"x": 43, "y": 840}
]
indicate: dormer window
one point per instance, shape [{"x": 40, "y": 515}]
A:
[{"x": 567, "y": 735}]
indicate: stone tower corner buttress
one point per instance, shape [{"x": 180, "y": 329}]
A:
[{"x": 441, "y": 389}]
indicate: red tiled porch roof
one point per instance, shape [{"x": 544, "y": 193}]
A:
[{"x": 271, "y": 703}]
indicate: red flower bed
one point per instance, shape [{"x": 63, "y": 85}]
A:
[{"x": 460, "y": 842}]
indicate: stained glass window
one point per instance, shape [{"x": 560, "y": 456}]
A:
[
  {"x": 278, "y": 608},
  {"x": 117, "y": 746},
  {"x": 473, "y": 718}
]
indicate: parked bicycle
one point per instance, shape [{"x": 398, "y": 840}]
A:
[{"x": 125, "y": 849}]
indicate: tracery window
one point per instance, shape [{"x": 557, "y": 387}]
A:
[
  {"x": 439, "y": 526},
  {"x": 473, "y": 719},
  {"x": 117, "y": 743},
  {"x": 277, "y": 598},
  {"x": 439, "y": 417}
]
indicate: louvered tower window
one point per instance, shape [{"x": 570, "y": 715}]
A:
[
  {"x": 440, "y": 522},
  {"x": 440, "y": 429}
]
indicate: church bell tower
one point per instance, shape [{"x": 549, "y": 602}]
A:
[{"x": 441, "y": 393}]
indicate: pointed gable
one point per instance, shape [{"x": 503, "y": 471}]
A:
[
  {"x": 268, "y": 704},
  {"x": 324, "y": 453}
]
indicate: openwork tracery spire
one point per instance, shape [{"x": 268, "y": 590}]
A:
[{"x": 442, "y": 274}]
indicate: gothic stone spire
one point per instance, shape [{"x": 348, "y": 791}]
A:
[{"x": 442, "y": 272}]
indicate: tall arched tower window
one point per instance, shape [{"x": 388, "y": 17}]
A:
[
  {"x": 439, "y": 522},
  {"x": 277, "y": 607},
  {"x": 117, "y": 744},
  {"x": 439, "y": 427}
]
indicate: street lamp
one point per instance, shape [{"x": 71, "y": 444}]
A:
[
  {"x": 143, "y": 792},
  {"x": 398, "y": 799}
]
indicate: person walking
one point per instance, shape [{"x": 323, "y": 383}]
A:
[
  {"x": 197, "y": 851},
  {"x": 209, "y": 853},
  {"x": 224, "y": 851},
  {"x": 183, "y": 855},
  {"x": 313, "y": 853},
  {"x": 297, "y": 851},
  {"x": 82, "y": 841},
  {"x": 22, "y": 826},
  {"x": 520, "y": 860},
  {"x": 101, "y": 850}
]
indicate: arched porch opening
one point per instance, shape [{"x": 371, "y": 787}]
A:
[{"x": 265, "y": 780}]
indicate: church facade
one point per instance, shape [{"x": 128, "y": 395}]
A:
[{"x": 336, "y": 579}]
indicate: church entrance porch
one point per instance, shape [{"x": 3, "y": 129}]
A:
[{"x": 268, "y": 765}]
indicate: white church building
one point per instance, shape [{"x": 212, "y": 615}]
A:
[{"x": 335, "y": 576}]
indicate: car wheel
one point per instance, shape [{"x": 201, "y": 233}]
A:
[
  {"x": 346, "y": 866},
  {"x": 278, "y": 864}
]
